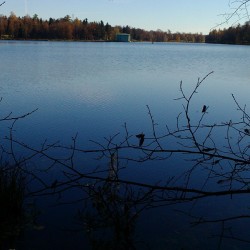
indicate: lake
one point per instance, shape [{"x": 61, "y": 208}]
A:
[{"x": 92, "y": 90}]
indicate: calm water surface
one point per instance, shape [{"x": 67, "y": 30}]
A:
[{"x": 94, "y": 88}]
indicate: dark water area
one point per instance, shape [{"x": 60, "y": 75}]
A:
[{"x": 92, "y": 90}]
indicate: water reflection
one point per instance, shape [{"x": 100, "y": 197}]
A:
[
  {"x": 110, "y": 221},
  {"x": 103, "y": 86}
]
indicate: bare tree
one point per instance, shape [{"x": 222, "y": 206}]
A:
[
  {"x": 239, "y": 11},
  {"x": 220, "y": 162}
]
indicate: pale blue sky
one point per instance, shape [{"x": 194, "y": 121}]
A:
[{"x": 175, "y": 15}]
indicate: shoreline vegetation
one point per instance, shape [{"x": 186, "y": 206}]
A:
[{"x": 68, "y": 29}]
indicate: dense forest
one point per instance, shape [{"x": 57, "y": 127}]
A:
[
  {"x": 66, "y": 28},
  {"x": 239, "y": 34}
]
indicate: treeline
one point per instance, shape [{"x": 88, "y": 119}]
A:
[
  {"x": 239, "y": 34},
  {"x": 27, "y": 27}
]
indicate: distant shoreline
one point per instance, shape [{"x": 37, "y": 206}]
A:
[
  {"x": 94, "y": 41},
  {"x": 68, "y": 29},
  {"x": 109, "y": 41}
]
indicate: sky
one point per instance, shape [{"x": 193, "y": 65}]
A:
[{"x": 196, "y": 16}]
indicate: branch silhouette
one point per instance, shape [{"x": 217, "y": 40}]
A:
[
  {"x": 239, "y": 11},
  {"x": 221, "y": 164}
]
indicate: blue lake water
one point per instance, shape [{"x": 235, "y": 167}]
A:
[{"x": 94, "y": 88}]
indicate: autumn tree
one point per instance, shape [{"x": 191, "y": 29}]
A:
[
  {"x": 3, "y": 25},
  {"x": 13, "y": 25},
  {"x": 108, "y": 31}
]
